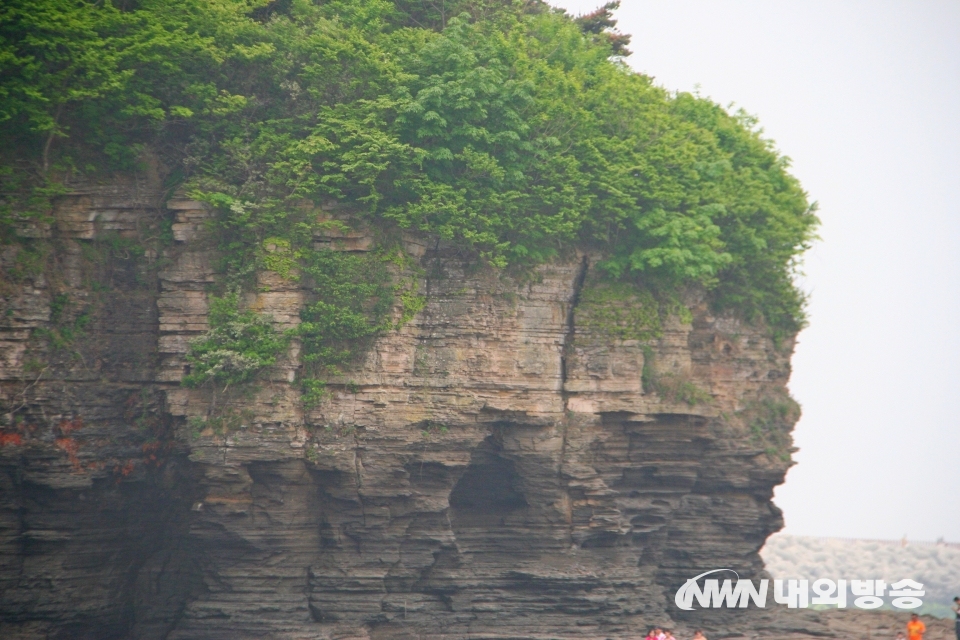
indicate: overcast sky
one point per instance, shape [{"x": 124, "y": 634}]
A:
[{"x": 864, "y": 96}]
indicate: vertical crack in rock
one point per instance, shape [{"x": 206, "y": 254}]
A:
[
  {"x": 357, "y": 467},
  {"x": 566, "y": 352},
  {"x": 570, "y": 329}
]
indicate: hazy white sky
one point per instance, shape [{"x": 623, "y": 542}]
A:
[{"x": 864, "y": 96}]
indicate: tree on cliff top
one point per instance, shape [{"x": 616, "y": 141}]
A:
[
  {"x": 503, "y": 125},
  {"x": 601, "y": 22}
]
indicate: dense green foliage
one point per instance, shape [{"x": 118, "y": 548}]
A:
[
  {"x": 501, "y": 125},
  {"x": 353, "y": 299},
  {"x": 238, "y": 346}
]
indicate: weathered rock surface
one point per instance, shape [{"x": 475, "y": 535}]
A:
[{"x": 493, "y": 469}]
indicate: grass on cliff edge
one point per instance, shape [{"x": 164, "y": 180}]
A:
[{"x": 502, "y": 125}]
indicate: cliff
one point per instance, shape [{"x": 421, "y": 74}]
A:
[{"x": 528, "y": 457}]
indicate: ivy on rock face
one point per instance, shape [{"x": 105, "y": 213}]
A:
[
  {"x": 353, "y": 297},
  {"x": 238, "y": 346},
  {"x": 504, "y": 126}
]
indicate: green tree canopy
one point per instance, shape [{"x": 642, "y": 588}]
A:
[{"x": 502, "y": 125}]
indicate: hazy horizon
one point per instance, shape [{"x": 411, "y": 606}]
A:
[{"x": 862, "y": 96}]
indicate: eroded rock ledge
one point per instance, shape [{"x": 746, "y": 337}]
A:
[{"x": 495, "y": 468}]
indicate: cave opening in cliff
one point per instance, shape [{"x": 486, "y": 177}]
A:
[{"x": 490, "y": 487}]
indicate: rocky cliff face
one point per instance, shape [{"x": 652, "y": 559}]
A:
[{"x": 523, "y": 459}]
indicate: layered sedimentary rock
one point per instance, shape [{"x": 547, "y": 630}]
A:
[{"x": 514, "y": 462}]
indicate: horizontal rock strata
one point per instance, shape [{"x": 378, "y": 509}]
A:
[{"x": 502, "y": 466}]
